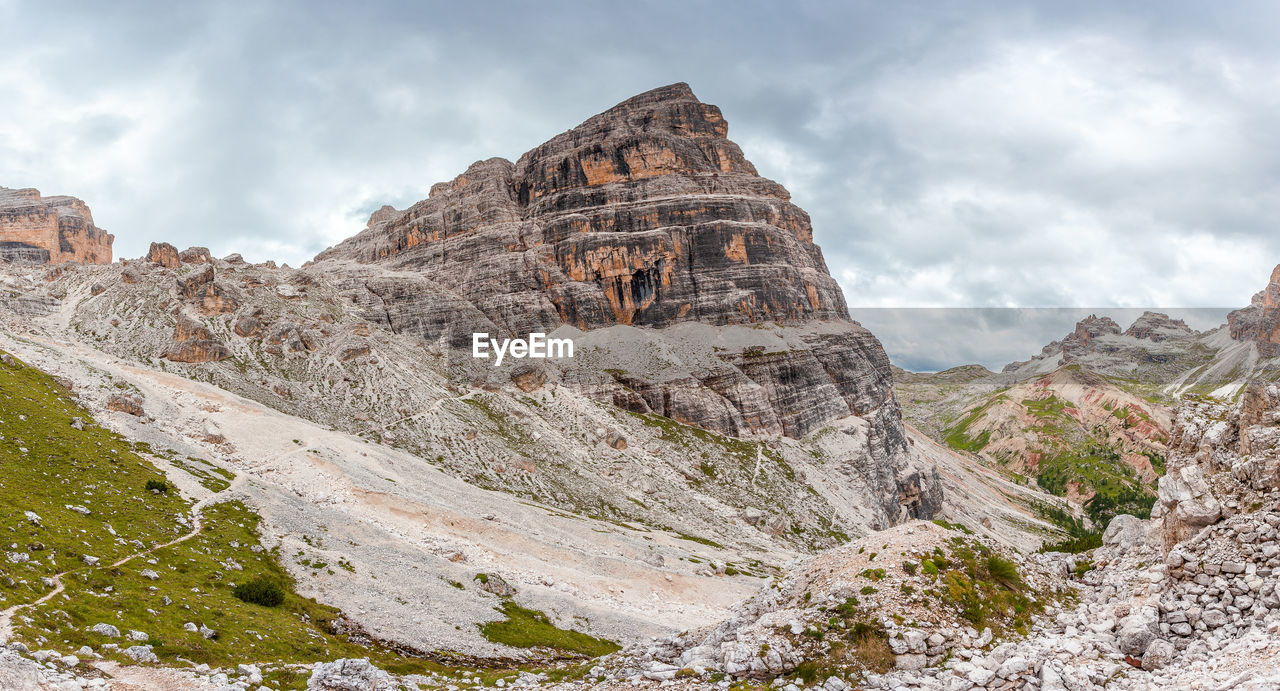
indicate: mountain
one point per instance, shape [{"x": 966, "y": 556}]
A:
[
  {"x": 49, "y": 230},
  {"x": 720, "y": 417},
  {"x": 1089, "y": 418},
  {"x": 645, "y": 215},
  {"x": 219, "y": 473}
]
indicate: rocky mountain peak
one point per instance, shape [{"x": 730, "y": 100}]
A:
[
  {"x": 1260, "y": 321},
  {"x": 1093, "y": 326},
  {"x": 44, "y": 230},
  {"x": 1157, "y": 327},
  {"x": 660, "y": 132},
  {"x": 1269, "y": 297},
  {"x": 1080, "y": 341},
  {"x": 646, "y": 214}
]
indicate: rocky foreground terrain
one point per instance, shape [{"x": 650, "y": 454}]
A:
[{"x": 220, "y": 474}]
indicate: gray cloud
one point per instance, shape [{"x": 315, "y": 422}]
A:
[{"x": 950, "y": 154}]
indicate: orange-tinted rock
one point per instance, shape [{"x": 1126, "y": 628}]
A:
[
  {"x": 214, "y": 299},
  {"x": 126, "y": 404},
  {"x": 353, "y": 353},
  {"x": 49, "y": 230},
  {"x": 249, "y": 325},
  {"x": 164, "y": 254},
  {"x": 529, "y": 378},
  {"x": 1260, "y": 321},
  {"x": 210, "y": 298},
  {"x": 189, "y": 285},
  {"x": 192, "y": 342}
]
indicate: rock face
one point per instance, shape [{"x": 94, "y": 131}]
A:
[
  {"x": 1260, "y": 321},
  {"x": 1158, "y": 327},
  {"x": 192, "y": 342},
  {"x": 1223, "y": 457},
  {"x": 645, "y": 214},
  {"x": 44, "y": 230},
  {"x": 648, "y": 216}
]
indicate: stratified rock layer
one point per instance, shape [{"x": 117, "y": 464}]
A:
[
  {"x": 1260, "y": 321},
  {"x": 645, "y": 214},
  {"x": 44, "y": 230}
]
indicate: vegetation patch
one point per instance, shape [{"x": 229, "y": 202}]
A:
[
  {"x": 959, "y": 437},
  {"x": 211, "y": 477},
  {"x": 527, "y": 628},
  {"x": 70, "y": 494}
]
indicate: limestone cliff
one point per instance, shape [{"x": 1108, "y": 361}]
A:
[
  {"x": 49, "y": 230},
  {"x": 647, "y": 216},
  {"x": 1260, "y": 321}
]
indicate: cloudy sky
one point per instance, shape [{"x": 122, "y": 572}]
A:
[{"x": 983, "y": 154}]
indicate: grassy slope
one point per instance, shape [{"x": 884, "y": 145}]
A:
[
  {"x": 97, "y": 469},
  {"x": 46, "y": 466},
  {"x": 1070, "y": 453}
]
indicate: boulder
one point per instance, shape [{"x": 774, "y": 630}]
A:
[
  {"x": 1125, "y": 534},
  {"x": 106, "y": 630},
  {"x": 349, "y": 675},
  {"x": 140, "y": 654},
  {"x": 1158, "y": 655},
  {"x": 164, "y": 254}
]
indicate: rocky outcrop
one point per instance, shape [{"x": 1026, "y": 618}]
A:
[
  {"x": 1158, "y": 327},
  {"x": 164, "y": 254},
  {"x": 209, "y": 297},
  {"x": 192, "y": 342},
  {"x": 43, "y": 230},
  {"x": 1260, "y": 321},
  {"x": 1087, "y": 331},
  {"x": 1224, "y": 458},
  {"x": 1154, "y": 349}
]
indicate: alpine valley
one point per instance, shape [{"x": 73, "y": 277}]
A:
[{"x": 216, "y": 474}]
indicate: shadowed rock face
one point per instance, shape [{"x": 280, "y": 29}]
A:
[{"x": 645, "y": 214}]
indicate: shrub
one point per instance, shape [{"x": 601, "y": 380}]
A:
[
  {"x": 910, "y": 567},
  {"x": 1003, "y": 570},
  {"x": 157, "y": 486},
  {"x": 961, "y": 592},
  {"x": 260, "y": 591}
]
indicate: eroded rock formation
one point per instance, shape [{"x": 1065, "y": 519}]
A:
[
  {"x": 648, "y": 216},
  {"x": 645, "y": 214},
  {"x": 1260, "y": 321},
  {"x": 49, "y": 230}
]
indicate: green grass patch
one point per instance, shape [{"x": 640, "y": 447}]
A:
[
  {"x": 958, "y": 436},
  {"x": 527, "y": 628},
  {"x": 58, "y": 473},
  {"x": 700, "y": 540}
]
